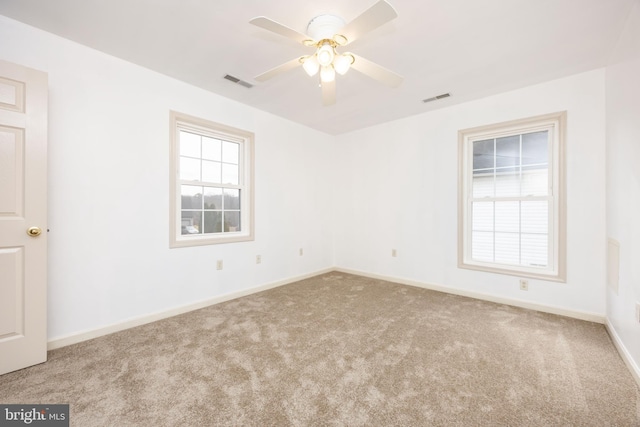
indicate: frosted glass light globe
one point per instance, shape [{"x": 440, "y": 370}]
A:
[
  {"x": 327, "y": 74},
  {"x": 311, "y": 65},
  {"x": 325, "y": 55}
]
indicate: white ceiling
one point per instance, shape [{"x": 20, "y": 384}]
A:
[{"x": 470, "y": 48}]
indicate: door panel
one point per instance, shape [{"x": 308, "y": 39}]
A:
[
  {"x": 11, "y": 95},
  {"x": 23, "y": 204},
  {"x": 11, "y": 176},
  {"x": 11, "y": 265}
]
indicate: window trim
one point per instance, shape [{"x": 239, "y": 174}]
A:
[
  {"x": 246, "y": 139},
  {"x": 557, "y": 121}
]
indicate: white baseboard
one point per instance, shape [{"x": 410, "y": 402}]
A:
[
  {"x": 582, "y": 315},
  {"x": 624, "y": 353},
  {"x": 152, "y": 317}
]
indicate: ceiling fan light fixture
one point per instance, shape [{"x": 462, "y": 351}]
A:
[
  {"x": 327, "y": 74},
  {"x": 311, "y": 65},
  {"x": 325, "y": 54},
  {"x": 326, "y": 33},
  {"x": 342, "y": 63}
]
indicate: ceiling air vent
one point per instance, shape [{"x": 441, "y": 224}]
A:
[
  {"x": 435, "y": 98},
  {"x": 238, "y": 81}
]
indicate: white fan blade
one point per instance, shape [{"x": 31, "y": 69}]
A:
[
  {"x": 279, "y": 69},
  {"x": 275, "y": 27},
  {"x": 328, "y": 93},
  {"x": 376, "y": 71},
  {"x": 377, "y": 15}
]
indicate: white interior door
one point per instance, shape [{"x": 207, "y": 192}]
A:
[{"x": 23, "y": 217}]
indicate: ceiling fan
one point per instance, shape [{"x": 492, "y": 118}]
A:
[{"x": 326, "y": 33}]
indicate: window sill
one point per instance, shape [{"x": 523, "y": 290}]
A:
[
  {"x": 515, "y": 271},
  {"x": 185, "y": 242}
]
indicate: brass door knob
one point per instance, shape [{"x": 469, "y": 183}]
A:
[{"x": 34, "y": 231}]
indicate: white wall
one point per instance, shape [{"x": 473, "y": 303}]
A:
[
  {"x": 392, "y": 186},
  {"x": 623, "y": 181},
  {"x": 398, "y": 189},
  {"x": 108, "y": 189}
]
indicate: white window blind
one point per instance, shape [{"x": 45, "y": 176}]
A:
[
  {"x": 509, "y": 205},
  {"x": 510, "y": 193}
]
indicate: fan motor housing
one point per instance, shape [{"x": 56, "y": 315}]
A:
[{"x": 324, "y": 27}]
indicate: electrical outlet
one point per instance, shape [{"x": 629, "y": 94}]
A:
[
  {"x": 219, "y": 265},
  {"x": 301, "y": 252},
  {"x": 258, "y": 259},
  {"x": 394, "y": 253},
  {"x": 524, "y": 285}
]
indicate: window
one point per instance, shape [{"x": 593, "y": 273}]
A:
[
  {"x": 211, "y": 182},
  {"x": 511, "y": 198}
]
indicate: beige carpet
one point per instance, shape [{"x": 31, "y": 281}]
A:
[{"x": 341, "y": 350}]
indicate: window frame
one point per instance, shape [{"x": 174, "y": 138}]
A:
[
  {"x": 180, "y": 121},
  {"x": 556, "y": 123}
]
